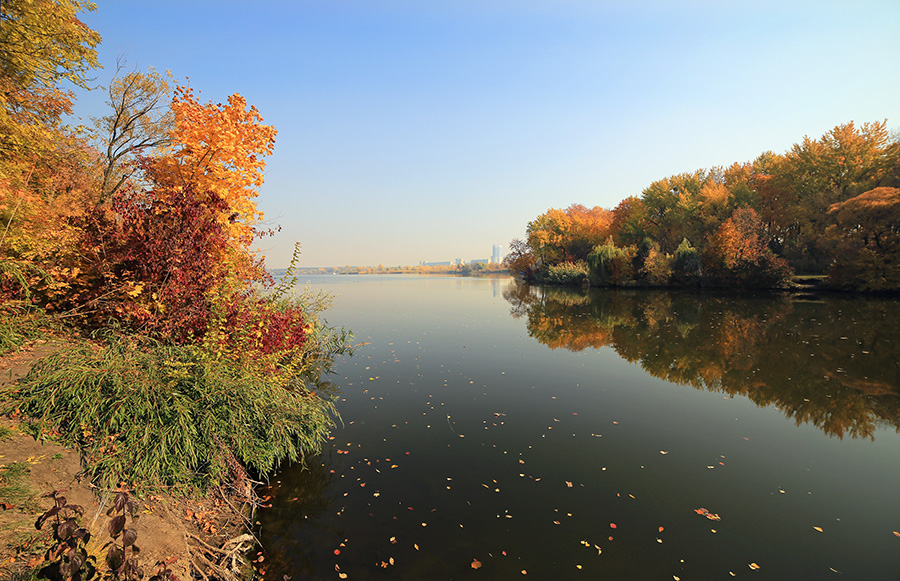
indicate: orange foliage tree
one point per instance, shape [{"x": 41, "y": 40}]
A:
[
  {"x": 568, "y": 235},
  {"x": 219, "y": 151},
  {"x": 738, "y": 253}
]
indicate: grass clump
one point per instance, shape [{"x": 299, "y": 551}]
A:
[
  {"x": 6, "y": 434},
  {"x": 172, "y": 415},
  {"x": 13, "y": 490},
  {"x": 19, "y": 325}
]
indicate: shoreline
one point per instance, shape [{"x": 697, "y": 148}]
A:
[{"x": 207, "y": 536}]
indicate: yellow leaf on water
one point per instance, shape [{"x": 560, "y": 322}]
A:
[
  {"x": 818, "y": 529},
  {"x": 476, "y": 564},
  {"x": 754, "y": 566}
]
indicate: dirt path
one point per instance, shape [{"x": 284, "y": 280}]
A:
[{"x": 169, "y": 529}]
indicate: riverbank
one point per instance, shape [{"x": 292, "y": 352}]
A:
[
  {"x": 199, "y": 536},
  {"x": 796, "y": 285}
]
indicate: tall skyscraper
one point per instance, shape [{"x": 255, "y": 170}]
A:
[{"x": 495, "y": 254}]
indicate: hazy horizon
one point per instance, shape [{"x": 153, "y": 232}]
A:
[{"x": 411, "y": 132}]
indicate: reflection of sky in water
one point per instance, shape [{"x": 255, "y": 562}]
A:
[{"x": 527, "y": 420}]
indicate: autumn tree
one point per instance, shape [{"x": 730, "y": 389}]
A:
[
  {"x": 547, "y": 234},
  {"x": 139, "y": 122},
  {"x": 588, "y": 227},
  {"x": 814, "y": 174},
  {"x": 738, "y": 254},
  {"x": 42, "y": 44},
  {"x": 46, "y": 169},
  {"x": 626, "y": 219},
  {"x": 520, "y": 259},
  {"x": 670, "y": 208},
  {"x": 869, "y": 225},
  {"x": 568, "y": 235},
  {"x": 219, "y": 150}
]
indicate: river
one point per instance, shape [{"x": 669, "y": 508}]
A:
[{"x": 492, "y": 430}]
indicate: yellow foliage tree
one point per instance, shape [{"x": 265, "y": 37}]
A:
[{"x": 46, "y": 169}]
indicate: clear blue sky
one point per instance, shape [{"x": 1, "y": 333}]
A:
[{"x": 430, "y": 130}]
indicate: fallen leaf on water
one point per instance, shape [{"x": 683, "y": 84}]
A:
[
  {"x": 476, "y": 564},
  {"x": 661, "y": 529},
  {"x": 818, "y": 529},
  {"x": 707, "y": 514},
  {"x": 415, "y": 546},
  {"x": 612, "y": 525},
  {"x": 569, "y": 484},
  {"x": 663, "y": 452},
  {"x": 754, "y": 566},
  {"x": 896, "y": 534}
]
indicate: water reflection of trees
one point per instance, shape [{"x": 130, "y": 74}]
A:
[{"x": 833, "y": 362}]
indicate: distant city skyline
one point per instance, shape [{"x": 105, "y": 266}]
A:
[
  {"x": 433, "y": 129},
  {"x": 496, "y": 257}
]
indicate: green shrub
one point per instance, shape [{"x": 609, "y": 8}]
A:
[
  {"x": 566, "y": 273},
  {"x": 176, "y": 415},
  {"x": 687, "y": 268},
  {"x": 20, "y": 324},
  {"x": 611, "y": 266}
]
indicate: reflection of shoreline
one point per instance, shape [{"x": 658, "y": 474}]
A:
[{"x": 832, "y": 363}]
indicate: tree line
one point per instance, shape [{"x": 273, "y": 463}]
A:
[{"x": 827, "y": 206}]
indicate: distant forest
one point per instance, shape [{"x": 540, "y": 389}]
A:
[{"x": 828, "y": 207}]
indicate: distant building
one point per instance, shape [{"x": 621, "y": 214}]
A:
[{"x": 495, "y": 254}]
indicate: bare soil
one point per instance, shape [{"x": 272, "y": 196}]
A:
[{"x": 202, "y": 538}]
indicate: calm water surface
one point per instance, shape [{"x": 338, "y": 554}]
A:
[{"x": 601, "y": 435}]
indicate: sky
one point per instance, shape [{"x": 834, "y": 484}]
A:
[{"x": 432, "y": 130}]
